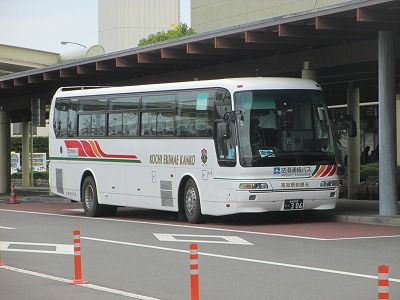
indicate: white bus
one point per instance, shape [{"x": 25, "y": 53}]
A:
[{"x": 213, "y": 147}]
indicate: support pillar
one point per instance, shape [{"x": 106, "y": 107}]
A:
[
  {"x": 398, "y": 127},
  {"x": 5, "y": 156},
  {"x": 306, "y": 73},
  {"x": 26, "y": 177},
  {"x": 353, "y": 145},
  {"x": 387, "y": 124}
]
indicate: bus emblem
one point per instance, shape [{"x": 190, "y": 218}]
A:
[{"x": 204, "y": 156}]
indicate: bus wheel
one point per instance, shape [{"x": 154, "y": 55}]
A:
[
  {"x": 192, "y": 202},
  {"x": 89, "y": 198}
]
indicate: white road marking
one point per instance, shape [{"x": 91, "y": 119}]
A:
[
  {"x": 199, "y": 227},
  {"x": 190, "y": 238},
  {"x": 74, "y": 209},
  {"x": 89, "y": 286},
  {"x": 4, "y": 227},
  {"x": 364, "y": 237},
  {"x": 30, "y": 248},
  {"x": 244, "y": 259}
]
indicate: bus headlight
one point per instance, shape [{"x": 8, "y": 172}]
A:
[
  {"x": 253, "y": 186},
  {"x": 329, "y": 183}
]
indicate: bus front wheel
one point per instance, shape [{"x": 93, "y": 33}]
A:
[{"x": 192, "y": 202}]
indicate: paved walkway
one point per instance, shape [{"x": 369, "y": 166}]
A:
[{"x": 352, "y": 211}]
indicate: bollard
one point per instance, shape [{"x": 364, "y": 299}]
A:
[
  {"x": 194, "y": 272},
  {"x": 2, "y": 264},
  {"x": 77, "y": 259},
  {"x": 13, "y": 195},
  {"x": 383, "y": 282}
]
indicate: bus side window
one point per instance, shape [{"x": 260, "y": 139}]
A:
[
  {"x": 72, "y": 118},
  {"x": 98, "y": 127},
  {"x": 130, "y": 123},
  {"x": 149, "y": 122},
  {"x": 224, "y": 137},
  {"x": 60, "y": 121},
  {"x": 84, "y": 125},
  {"x": 195, "y": 113},
  {"x": 122, "y": 120},
  {"x": 165, "y": 124},
  {"x": 114, "y": 124}
]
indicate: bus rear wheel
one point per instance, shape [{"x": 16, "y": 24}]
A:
[
  {"x": 192, "y": 202},
  {"x": 90, "y": 204}
]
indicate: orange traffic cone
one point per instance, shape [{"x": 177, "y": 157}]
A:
[
  {"x": 2, "y": 264},
  {"x": 13, "y": 196}
]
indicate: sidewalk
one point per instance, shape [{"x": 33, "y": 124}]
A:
[
  {"x": 34, "y": 194},
  {"x": 363, "y": 211},
  {"x": 351, "y": 211}
]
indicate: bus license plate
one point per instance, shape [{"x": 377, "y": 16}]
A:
[{"x": 293, "y": 204}]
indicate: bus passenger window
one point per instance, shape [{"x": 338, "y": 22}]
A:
[
  {"x": 130, "y": 124},
  {"x": 84, "y": 125},
  {"x": 149, "y": 121},
  {"x": 165, "y": 124},
  {"x": 115, "y": 124},
  {"x": 98, "y": 127},
  {"x": 60, "y": 121},
  {"x": 72, "y": 118}
]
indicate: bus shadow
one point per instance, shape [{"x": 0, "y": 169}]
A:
[{"x": 244, "y": 219}]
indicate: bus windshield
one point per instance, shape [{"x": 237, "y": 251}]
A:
[{"x": 283, "y": 128}]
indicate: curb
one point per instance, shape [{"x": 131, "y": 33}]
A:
[{"x": 373, "y": 219}]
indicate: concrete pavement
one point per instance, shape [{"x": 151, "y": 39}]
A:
[{"x": 347, "y": 210}]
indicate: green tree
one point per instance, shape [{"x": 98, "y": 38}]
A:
[
  {"x": 176, "y": 31},
  {"x": 40, "y": 144}
]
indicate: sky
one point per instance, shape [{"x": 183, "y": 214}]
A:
[{"x": 43, "y": 24}]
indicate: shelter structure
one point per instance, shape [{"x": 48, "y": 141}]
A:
[{"x": 349, "y": 48}]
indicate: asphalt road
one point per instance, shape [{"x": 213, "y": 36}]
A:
[{"x": 145, "y": 255}]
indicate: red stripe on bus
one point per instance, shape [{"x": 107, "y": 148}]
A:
[
  {"x": 320, "y": 171},
  {"x": 327, "y": 171},
  {"x": 112, "y": 155},
  {"x": 333, "y": 171},
  {"x": 73, "y": 144},
  {"x": 88, "y": 149}
]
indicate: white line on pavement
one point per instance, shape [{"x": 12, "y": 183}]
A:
[
  {"x": 4, "y": 227},
  {"x": 264, "y": 262},
  {"x": 210, "y": 239},
  {"x": 364, "y": 237},
  {"x": 199, "y": 227},
  {"x": 30, "y": 248},
  {"x": 89, "y": 286}
]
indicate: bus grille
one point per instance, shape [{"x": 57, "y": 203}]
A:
[{"x": 166, "y": 193}]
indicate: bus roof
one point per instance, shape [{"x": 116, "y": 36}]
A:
[{"x": 232, "y": 84}]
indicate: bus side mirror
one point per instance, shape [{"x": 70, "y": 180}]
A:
[
  {"x": 341, "y": 170},
  {"x": 223, "y": 130}
]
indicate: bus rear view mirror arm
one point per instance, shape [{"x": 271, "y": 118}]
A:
[{"x": 223, "y": 130}]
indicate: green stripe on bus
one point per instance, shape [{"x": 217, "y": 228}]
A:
[
  {"x": 133, "y": 161},
  {"x": 315, "y": 171}
]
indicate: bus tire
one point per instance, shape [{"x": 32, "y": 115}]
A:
[
  {"x": 191, "y": 202},
  {"x": 90, "y": 204}
]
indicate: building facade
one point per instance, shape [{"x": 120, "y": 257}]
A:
[
  {"x": 209, "y": 15},
  {"x": 123, "y": 23}
]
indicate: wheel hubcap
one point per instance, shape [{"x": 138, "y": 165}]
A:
[
  {"x": 89, "y": 197},
  {"x": 190, "y": 201}
]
